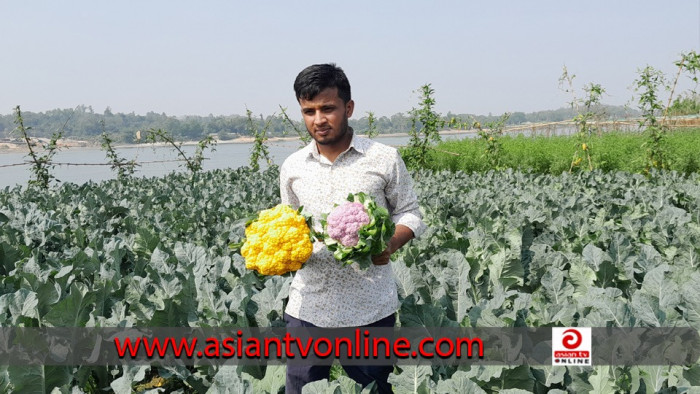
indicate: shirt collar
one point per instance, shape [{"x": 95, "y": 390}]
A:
[{"x": 357, "y": 143}]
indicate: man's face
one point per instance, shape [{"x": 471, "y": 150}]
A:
[{"x": 326, "y": 117}]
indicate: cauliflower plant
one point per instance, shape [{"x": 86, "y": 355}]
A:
[
  {"x": 357, "y": 230},
  {"x": 277, "y": 242}
]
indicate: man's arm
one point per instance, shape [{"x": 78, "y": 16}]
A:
[
  {"x": 404, "y": 204},
  {"x": 287, "y": 195},
  {"x": 401, "y": 236}
]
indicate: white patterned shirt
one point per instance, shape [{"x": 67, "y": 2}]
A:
[{"x": 324, "y": 292}]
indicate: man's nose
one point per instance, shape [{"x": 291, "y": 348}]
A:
[{"x": 319, "y": 118}]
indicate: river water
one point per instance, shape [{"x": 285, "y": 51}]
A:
[{"x": 225, "y": 156}]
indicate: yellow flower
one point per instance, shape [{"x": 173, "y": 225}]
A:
[{"x": 584, "y": 146}]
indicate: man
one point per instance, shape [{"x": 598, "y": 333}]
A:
[{"x": 324, "y": 293}]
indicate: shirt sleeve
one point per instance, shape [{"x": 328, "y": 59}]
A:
[
  {"x": 287, "y": 195},
  {"x": 402, "y": 199}
]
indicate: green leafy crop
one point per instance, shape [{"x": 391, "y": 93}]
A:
[{"x": 502, "y": 249}]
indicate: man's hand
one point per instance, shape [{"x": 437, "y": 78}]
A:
[
  {"x": 385, "y": 256},
  {"x": 402, "y": 234}
]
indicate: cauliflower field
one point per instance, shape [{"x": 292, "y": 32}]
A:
[{"x": 502, "y": 249}]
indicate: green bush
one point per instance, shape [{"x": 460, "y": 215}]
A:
[{"x": 613, "y": 151}]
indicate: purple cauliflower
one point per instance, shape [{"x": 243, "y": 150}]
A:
[
  {"x": 357, "y": 230},
  {"x": 344, "y": 223}
]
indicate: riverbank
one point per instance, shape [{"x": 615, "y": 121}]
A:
[
  {"x": 17, "y": 145},
  {"x": 7, "y": 146},
  {"x": 37, "y": 143}
]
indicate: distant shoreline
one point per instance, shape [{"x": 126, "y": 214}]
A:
[{"x": 10, "y": 147}]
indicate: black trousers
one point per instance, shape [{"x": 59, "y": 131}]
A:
[{"x": 299, "y": 375}]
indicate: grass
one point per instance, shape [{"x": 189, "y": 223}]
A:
[{"x": 613, "y": 151}]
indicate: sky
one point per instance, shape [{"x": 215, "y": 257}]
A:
[{"x": 221, "y": 57}]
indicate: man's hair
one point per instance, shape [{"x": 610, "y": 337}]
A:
[{"x": 313, "y": 79}]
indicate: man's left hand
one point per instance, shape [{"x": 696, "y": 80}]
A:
[
  {"x": 384, "y": 257},
  {"x": 402, "y": 234}
]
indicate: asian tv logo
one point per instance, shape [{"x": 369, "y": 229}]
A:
[{"x": 571, "y": 346}]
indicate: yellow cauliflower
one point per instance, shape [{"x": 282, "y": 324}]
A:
[{"x": 277, "y": 242}]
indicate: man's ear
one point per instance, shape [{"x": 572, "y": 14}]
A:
[{"x": 349, "y": 107}]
